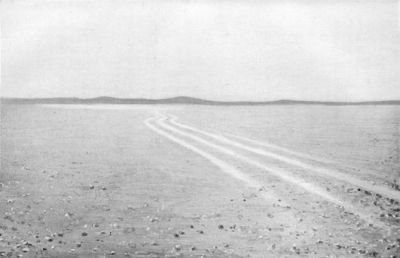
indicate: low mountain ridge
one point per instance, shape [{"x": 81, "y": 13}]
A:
[{"x": 183, "y": 100}]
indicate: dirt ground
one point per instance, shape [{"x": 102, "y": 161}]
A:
[{"x": 87, "y": 183}]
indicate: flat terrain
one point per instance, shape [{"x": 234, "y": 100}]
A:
[{"x": 199, "y": 181}]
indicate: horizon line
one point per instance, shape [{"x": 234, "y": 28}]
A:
[
  {"x": 198, "y": 98},
  {"x": 179, "y": 100}
]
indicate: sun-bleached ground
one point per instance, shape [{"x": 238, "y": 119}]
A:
[{"x": 166, "y": 181}]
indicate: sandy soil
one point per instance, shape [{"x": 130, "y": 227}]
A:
[{"x": 102, "y": 183}]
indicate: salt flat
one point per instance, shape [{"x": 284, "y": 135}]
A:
[{"x": 189, "y": 180}]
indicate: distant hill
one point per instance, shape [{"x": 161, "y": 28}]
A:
[{"x": 183, "y": 100}]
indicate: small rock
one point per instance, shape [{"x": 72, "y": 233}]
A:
[
  {"x": 128, "y": 230},
  {"x": 373, "y": 253}
]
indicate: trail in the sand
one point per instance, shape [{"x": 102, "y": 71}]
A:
[
  {"x": 224, "y": 167},
  {"x": 289, "y": 160},
  {"x": 276, "y": 171}
]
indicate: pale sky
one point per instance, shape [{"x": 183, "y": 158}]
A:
[{"x": 221, "y": 50}]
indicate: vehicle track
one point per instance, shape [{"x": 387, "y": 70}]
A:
[
  {"x": 311, "y": 188},
  {"x": 306, "y": 157},
  {"x": 225, "y": 167},
  {"x": 307, "y": 167}
]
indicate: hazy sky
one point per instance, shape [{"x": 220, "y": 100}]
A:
[{"x": 228, "y": 50}]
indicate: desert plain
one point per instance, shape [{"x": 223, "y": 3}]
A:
[{"x": 199, "y": 181}]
